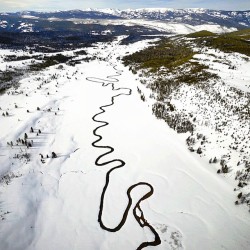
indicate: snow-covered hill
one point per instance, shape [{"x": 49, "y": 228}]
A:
[
  {"x": 193, "y": 17},
  {"x": 54, "y": 203}
]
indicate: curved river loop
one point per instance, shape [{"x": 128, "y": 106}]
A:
[{"x": 111, "y": 80}]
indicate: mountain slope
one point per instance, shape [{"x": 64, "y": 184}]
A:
[
  {"x": 192, "y": 16},
  {"x": 29, "y": 20}
]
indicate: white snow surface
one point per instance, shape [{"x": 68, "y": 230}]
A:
[
  {"x": 30, "y": 17},
  {"x": 171, "y": 27},
  {"x": 55, "y": 205}
]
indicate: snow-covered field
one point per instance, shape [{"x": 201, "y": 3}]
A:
[
  {"x": 216, "y": 107},
  {"x": 171, "y": 27},
  {"x": 53, "y": 203}
]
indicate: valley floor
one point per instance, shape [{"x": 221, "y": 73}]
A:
[{"x": 53, "y": 203}]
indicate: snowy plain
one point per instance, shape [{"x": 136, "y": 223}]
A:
[
  {"x": 54, "y": 205},
  {"x": 171, "y": 27}
]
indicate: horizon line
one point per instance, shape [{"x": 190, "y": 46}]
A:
[{"x": 117, "y": 9}]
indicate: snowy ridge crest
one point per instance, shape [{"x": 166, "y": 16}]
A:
[{"x": 190, "y": 16}]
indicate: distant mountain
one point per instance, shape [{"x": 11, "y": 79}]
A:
[
  {"x": 238, "y": 19},
  {"x": 31, "y": 21}
]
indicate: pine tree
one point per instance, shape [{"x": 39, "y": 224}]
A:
[
  {"x": 215, "y": 160},
  {"x": 54, "y": 155}
]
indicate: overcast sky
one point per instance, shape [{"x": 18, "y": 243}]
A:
[{"x": 50, "y": 5}]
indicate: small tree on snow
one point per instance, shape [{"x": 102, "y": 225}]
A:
[
  {"x": 54, "y": 155},
  {"x": 199, "y": 151}
]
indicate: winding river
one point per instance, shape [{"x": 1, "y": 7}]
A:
[{"x": 111, "y": 80}]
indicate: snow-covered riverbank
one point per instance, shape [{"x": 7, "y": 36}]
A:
[{"x": 53, "y": 203}]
